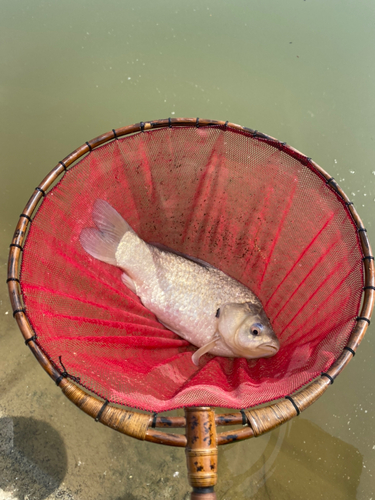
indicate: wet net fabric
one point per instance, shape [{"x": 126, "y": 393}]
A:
[{"x": 237, "y": 202}]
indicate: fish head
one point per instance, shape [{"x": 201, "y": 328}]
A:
[{"x": 247, "y": 331}]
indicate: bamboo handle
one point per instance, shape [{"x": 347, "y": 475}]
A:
[{"x": 201, "y": 451}]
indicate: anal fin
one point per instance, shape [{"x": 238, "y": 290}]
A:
[{"x": 128, "y": 282}]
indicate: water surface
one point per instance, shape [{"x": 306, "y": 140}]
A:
[{"x": 301, "y": 71}]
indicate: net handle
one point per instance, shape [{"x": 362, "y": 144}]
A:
[{"x": 143, "y": 426}]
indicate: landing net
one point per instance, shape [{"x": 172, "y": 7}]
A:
[{"x": 254, "y": 208}]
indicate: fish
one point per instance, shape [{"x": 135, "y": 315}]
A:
[{"x": 190, "y": 297}]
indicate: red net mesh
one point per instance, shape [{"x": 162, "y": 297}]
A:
[{"x": 239, "y": 203}]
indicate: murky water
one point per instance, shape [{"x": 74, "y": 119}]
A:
[{"x": 301, "y": 71}]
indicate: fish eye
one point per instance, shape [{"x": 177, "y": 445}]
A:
[{"x": 256, "y": 329}]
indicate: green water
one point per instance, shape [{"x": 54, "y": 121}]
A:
[{"x": 301, "y": 71}]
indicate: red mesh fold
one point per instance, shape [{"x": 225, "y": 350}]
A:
[{"x": 237, "y": 202}]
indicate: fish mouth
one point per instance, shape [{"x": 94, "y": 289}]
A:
[{"x": 272, "y": 349}]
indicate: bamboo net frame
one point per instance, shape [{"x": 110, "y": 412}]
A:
[{"x": 147, "y": 427}]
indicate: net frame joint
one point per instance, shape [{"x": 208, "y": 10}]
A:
[
  {"x": 100, "y": 412},
  {"x": 347, "y": 348},
  {"x": 289, "y": 398},
  {"x": 331, "y": 379}
]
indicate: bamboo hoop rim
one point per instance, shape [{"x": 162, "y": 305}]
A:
[{"x": 255, "y": 421}]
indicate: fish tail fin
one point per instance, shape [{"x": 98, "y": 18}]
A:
[{"x": 102, "y": 242}]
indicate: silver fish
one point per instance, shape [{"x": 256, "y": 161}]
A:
[{"x": 193, "y": 299}]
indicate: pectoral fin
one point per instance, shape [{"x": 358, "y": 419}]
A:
[{"x": 203, "y": 350}]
